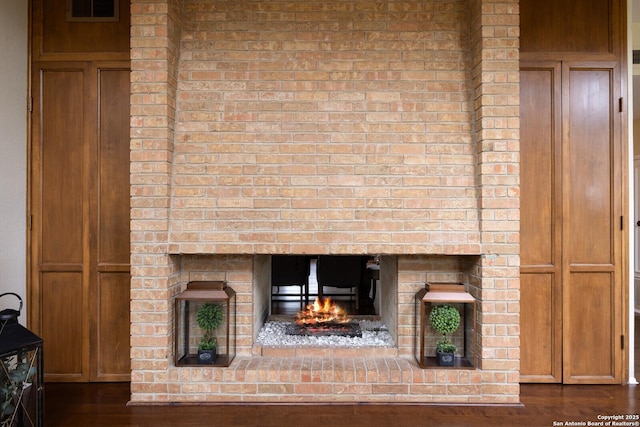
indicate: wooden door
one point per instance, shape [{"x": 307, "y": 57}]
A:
[
  {"x": 110, "y": 292},
  {"x": 78, "y": 259},
  {"x": 593, "y": 222},
  {"x": 541, "y": 223},
  {"x": 571, "y": 230},
  {"x": 79, "y": 206}
]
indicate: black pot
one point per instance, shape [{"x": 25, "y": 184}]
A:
[
  {"x": 446, "y": 359},
  {"x": 206, "y": 357}
]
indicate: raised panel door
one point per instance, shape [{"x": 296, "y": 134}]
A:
[
  {"x": 540, "y": 223},
  {"x": 59, "y": 191},
  {"x": 592, "y": 164},
  {"x": 110, "y": 326},
  {"x": 571, "y": 230},
  {"x": 79, "y": 190}
]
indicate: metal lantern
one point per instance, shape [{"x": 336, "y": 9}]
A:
[
  {"x": 205, "y": 313},
  {"x": 425, "y": 337},
  {"x": 21, "y": 372}
]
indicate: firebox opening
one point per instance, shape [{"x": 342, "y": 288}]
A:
[
  {"x": 352, "y": 281},
  {"x": 334, "y": 302},
  {"x": 276, "y": 306}
]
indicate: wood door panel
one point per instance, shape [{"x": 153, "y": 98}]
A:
[
  {"x": 589, "y": 320},
  {"x": 539, "y": 361},
  {"x": 110, "y": 328},
  {"x": 538, "y": 142},
  {"x": 567, "y": 26},
  {"x": 113, "y": 180},
  {"x": 63, "y": 326},
  {"x": 61, "y": 179},
  {"x": 589, "y": 148},
  {"x": 54, "y": 34},
  {"x": 593, "y": 260},
  {"x": 112, "y": 350},
  {"x": 540, "y": 223}
]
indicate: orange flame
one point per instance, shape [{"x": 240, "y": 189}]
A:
[{"x": 321, "y": 311}]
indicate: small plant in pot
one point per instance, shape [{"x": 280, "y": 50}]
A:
[
  {"x": 445, "y": 320},
  {"x": 209, "y": 317},
  {"x": 15, "y": 387}
]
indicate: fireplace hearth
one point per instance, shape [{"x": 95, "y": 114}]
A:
[{"x": 374, "y": 333}]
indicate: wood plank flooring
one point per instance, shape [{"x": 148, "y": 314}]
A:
[{"x": 106, "y": 405}]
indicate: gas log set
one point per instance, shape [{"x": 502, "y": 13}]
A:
[{"x": 324, "y": 318}]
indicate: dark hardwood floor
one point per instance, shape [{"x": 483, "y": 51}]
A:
[
  {"x": 106, "y": 405},
  {"x": 541, "y": 405}
]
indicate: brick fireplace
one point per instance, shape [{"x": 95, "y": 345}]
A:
[{"x": 386, "y": 128}]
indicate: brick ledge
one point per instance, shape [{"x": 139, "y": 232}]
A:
[
  {"x": 259, "y": 350},
  {"x": 324, "y": 379}
]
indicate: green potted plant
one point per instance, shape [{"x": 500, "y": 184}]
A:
[
  {"x": 445, "y": 320},
  {"x": 14, "y": 387},
  {"x": 209, "y": 317}
]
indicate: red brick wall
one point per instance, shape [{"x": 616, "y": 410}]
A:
[
  {"x": 333, "y": 127},
  {"x": 345, "y": 126}
]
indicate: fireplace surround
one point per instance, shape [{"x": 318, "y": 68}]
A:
[{"x": 334, "y": 128}]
